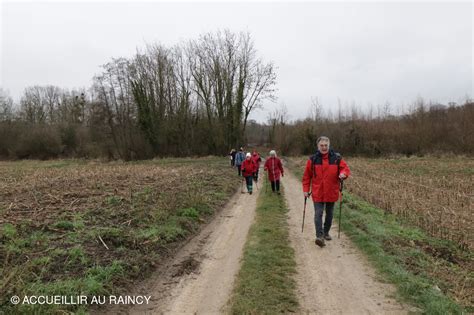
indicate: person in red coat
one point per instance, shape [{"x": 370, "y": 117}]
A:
[
  {"x": 322, "y": 174},
  {"x": 248, "y": 171},
  {"x": 274, "y": 168},
  {"x": 257, "y": 159}
]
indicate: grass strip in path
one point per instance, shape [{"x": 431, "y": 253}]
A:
[{"x": 265, "y": 283}]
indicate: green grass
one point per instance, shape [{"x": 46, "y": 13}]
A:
[
  {"x": 95, "y": 282},
  {"x": 404, "y": 255},
  {"x": 28, "y": 164},
  {"x": 265, "y": 284},
  {"x": 392, "y": 249},
  {"x": 140, "y": 219},
  {"x": 8, "y": 231}
]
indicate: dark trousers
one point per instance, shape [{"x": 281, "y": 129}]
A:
[
  {"x": 276, "y": 185},
  {"x": 249, "y": 181},
  {"x": 239, "y": 171},
  {"x": 318, "y": 217},
  {"x": 256, "y": 175}
]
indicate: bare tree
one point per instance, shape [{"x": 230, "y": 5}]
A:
[
  {"x": 6, "y": 106},
  {"x": 316, "y": 110},
  {"x": 114, "y": 93},
  {"x": 279, "y": 135},
  {"x": 230, "y": 81},
  {"x": 32, "y": 105}
]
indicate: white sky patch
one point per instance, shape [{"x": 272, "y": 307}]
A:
[{"x": 361, "y": 53}]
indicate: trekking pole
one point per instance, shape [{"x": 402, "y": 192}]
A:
[
  {"x": 304, "y": 211},
  {"x": 341, "y": 186}
]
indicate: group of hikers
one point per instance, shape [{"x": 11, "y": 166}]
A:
[
  {"x": 248, "y": 165},
  {"x": 322, "y": 180}
]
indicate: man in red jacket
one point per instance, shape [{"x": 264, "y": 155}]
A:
[
  {"x": 322, "y": 174},
  {"x": 248, "y": 171}
]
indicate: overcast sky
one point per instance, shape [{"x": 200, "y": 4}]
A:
[{"x": 368, "y": 52}]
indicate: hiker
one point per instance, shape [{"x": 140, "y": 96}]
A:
[
  {"x": 274, "y": 168},
  {"x": 257, "y": 159},
  {"x": 239, "y": 158},
  {"x": 248, "y": 171},
  {"x": 322, "y": 174},
  {"x": 232, "y": 157}
]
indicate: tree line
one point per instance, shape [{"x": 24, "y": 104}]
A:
[
  {"x": 193, "y": 98},
  {"x": 428, "y": 128}
]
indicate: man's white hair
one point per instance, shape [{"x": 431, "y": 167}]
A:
[
  {"x": 322, "y": 138},
  {"x": 273, "y": 153}
]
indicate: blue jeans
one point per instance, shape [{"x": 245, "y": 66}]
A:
[
  {"x": 249, "y": 181},
  {"x": 318, "y": 217}
]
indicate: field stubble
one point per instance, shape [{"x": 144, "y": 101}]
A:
[{"x": 71, "y": 227}]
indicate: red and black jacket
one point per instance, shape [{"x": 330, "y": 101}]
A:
[{"x": 322, "y": 173}]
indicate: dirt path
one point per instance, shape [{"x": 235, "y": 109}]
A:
[
  {"x": 201, "y": 276},
  {"x": 336, "y": 279}
]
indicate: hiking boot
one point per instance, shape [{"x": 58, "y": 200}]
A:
[
  {"x": 250, "y": 192},
  {"x": 327, "y": 237},
  {"x": 320, "y": 242}
]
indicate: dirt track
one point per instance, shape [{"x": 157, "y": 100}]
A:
[
  {"x": 335, "y": 279},
  {"x": 201, "y": 276}
]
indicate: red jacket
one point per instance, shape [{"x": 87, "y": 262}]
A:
[
  {"x": 324, "y": 177},
  {"x": 274, "y": 167},
  {"x": 248, "y": 167},
  {"x": 256, "y": 158}
]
